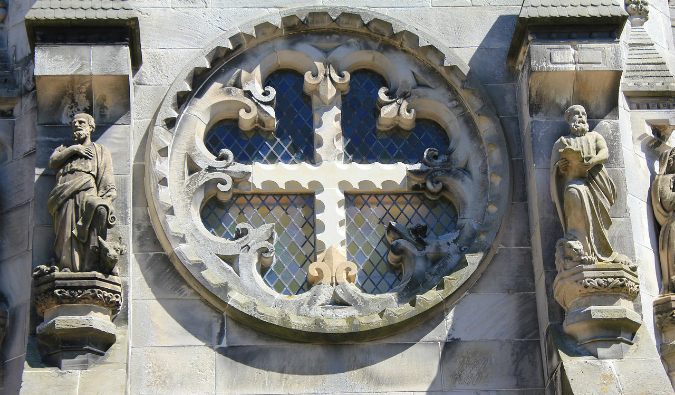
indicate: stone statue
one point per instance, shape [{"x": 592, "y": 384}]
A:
[
  {"x": 583, "y": 193},
  {"x": 663, "y": 202},
  {"x": 81, "y": 202}
]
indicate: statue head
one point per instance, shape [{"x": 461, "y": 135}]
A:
[
  {"x": 83, "y": 126},
  {"x": 576, "y": 117}
]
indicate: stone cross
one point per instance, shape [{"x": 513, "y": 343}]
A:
[{"x": 329, "y": 177}]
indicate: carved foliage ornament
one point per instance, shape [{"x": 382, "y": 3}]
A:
[{"x": 473, "y": 174}]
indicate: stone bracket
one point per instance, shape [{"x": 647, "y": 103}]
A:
[{"x": 77, "y": 310}]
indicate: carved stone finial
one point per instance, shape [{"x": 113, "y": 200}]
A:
[
  {"x": 638, "y": 9},
  {"x": 394, "y": 111},
  {"x": 332, "y": 267},
  {"x": 327, "y": 82},
  {"x": 588, "y": 267}
]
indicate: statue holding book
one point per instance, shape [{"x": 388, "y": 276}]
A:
[{"x": 583, "y": 193}]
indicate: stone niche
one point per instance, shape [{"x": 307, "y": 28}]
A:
[{"x": 83, "y": 73}]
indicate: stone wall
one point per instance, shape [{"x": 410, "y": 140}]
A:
[{"x": 499, "y": 338}]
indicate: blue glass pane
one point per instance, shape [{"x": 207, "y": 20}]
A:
[
  {"x": 292, "y": 142},
  {"x": 293, "y": 216},
  {"x": 367, "y": 218},
  {"x": 365, "y": 144}
]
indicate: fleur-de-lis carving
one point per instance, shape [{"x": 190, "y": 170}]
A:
[
  {"x": 394, "y": 111},
  {"x": 327, "y": 82},
  {"x": 332, "y": 268}
]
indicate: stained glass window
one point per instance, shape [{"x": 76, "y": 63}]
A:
[
  {"x": 364, "y": 143},
  {"x": 367, "y": 218},
  {"x": 292, "y": 142},
  {"x": 293, "y": 217}
]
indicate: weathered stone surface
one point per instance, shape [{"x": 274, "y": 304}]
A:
[
  {"x": 493, "y": 26},
  {"x": 172, "y": 370},
  {"x": 344, "y": 369},
  {"x": 504, "y": 97},
  {"x": 111, "y": 99},
  {"x": 513, "y": 136},
  {"x": 492, "y": 364},
  {"x": 14, "y": 275},
  {"x": 482, "y": 61},
  {"x": 17, "y": 175},
  {"x": 38, "y": 383},
  {"x": 647, "y": 378},
  {"x": 144, "y": 238},
  {"x": 519, "y": 233},
  {"x": 63, "y": 60},
  {"x": 146, "y": 101},
  {"x": 175, "y": 322},
  {"x": 510, "y": 271},
  {"x": 478, "y": 317},
  {"x": 24, "y": 134},
  {"x": 110, "y": 60},
  {"x": 114, "y": 379},
  {"x": 156, "y": 278},
  {"x": 14, "y": 232},
  {"x": 14, "y": 344}
]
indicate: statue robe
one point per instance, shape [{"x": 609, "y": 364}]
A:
[
  {"x": 583, "y": 201},
  {"x": 663, "y": 202},
  {"x": 81, "y": 205}
]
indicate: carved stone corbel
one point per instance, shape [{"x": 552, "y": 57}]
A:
[
  {"x": 598, "y": 300},
  {"x": 326, "y": 83},
  {"x": 394, "y": 111},
  {"x": 77, "y": 310}
]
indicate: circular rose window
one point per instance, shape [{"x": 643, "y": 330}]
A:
[{"x": 327, "y": 179}]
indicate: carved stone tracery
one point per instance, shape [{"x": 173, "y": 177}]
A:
[{"x": 181, "y": 175}]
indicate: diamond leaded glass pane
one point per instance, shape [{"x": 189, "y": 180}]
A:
[
  {"x": 292, "y": 142},
  {"x": 365, "y": 144},
  {"x": 293, "y": 216},
  {"x": 367, "y": 218}
]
